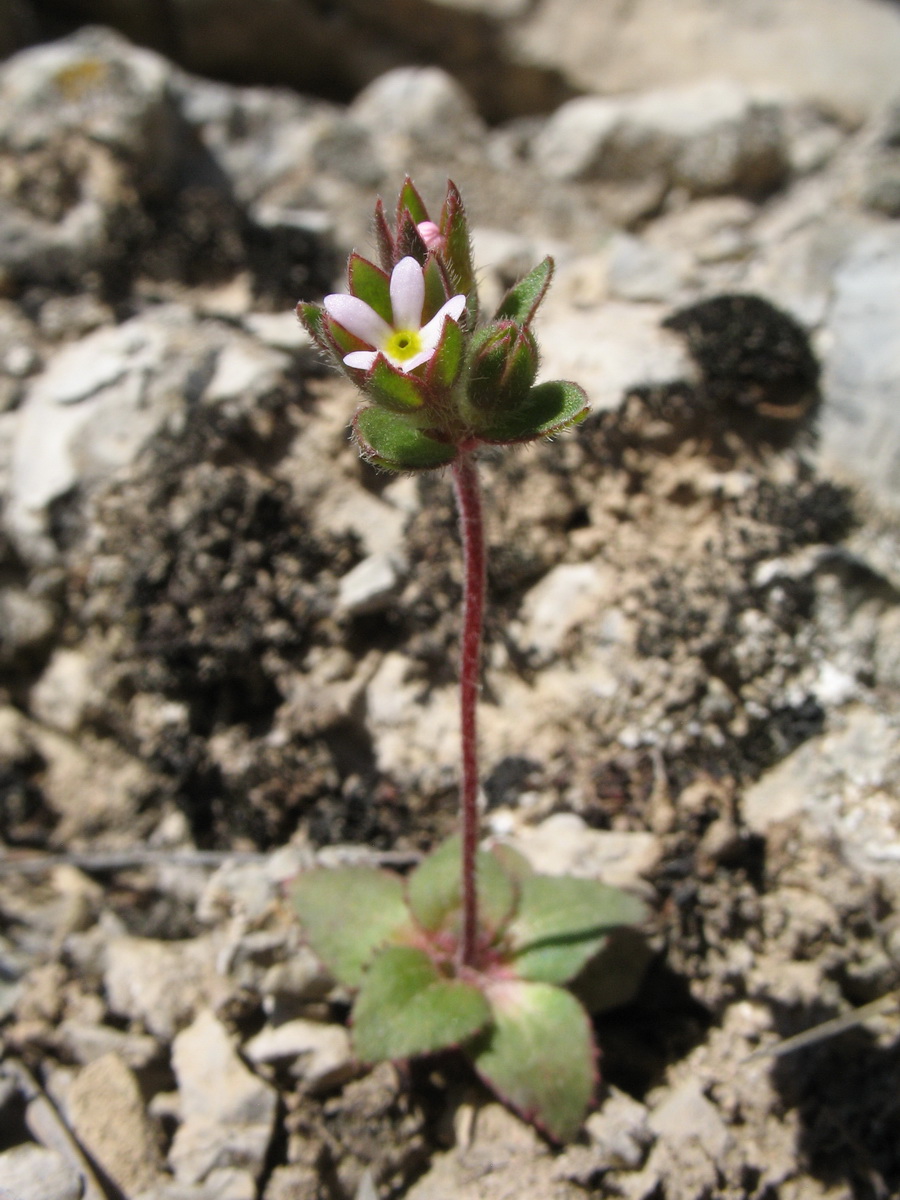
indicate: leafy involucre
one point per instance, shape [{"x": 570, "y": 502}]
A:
[
  {"x": 370, "y": 284},
  {"x": 538, "y": 1055},
  {"x": 394, "y": 389},
  {"x": 387, "y": 440},
  {"x": 347, "y": 913},
  {"x": 407, "y": 1007},
  {"x": 521, "y": 301},
  {"x": 546, "y": 409}
]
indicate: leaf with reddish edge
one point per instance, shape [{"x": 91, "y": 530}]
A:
[
  {"x": 514, "y": 864},
  {"x": 347, "y": 913},
  {"x": 370, "y": 284},
  {"x": 445, "y": 364},
  {"x": 538, "y": 1055},
  {"x": 410, "y": 201},
  {"x": 409, "y": 240},
  {"x": 406, "y": 1006},
  {"x": 384, "y": 238},
  {"x": 521, "y": 301},
  {"x": 388, "y": 440},
  {"x": 454, "y": 227},
  {"x": 434, "y": 890},
  {"x": 394, "y": 389},
  {"x": 562, "y": 922},
  {"x": 547, "y": 408},
  {"x": 312, "y": 317}
]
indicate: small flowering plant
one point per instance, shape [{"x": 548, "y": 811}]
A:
[{"x": 473, "y": 950}]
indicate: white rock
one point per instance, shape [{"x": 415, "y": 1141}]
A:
[
  {"x": 568, "y": 596},
  {"x": 860, "y": 433},
  {"x": 619, "y": 1131},
  {"x": 228, "y": 1113},
  {"x": 611, "y": 349},
  {"x": 245, "y": 369},
  {"x": 64, "y": 692},
  {"x": 424, "y": 104},
  {"x": 323, "y": 1053},
  {"x": 564, "y": 845},
  {"x": 281, "y": 331},
  {"x": 572, "y": 143},
  {"x": 96, "y": 84},
  {"x": 108, "y": 1115},
  {"x": 839, "y": 783},
  {"x": 161, "y": 984},
  {"x": 842, "y": 54},
  {"x": 26, "y": 620},
  {"x": 370, "y": 585},
  {"x": 639, "y": 271},
  {"x": 687, "y": 1115},
  {"x": 94, "y": 408},
  {"x": 711, "y": 137},
  {"x": 29, "y": 1172}
]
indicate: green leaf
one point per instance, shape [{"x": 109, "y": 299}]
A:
[
  {"x": 546, "y": 410},
  {"x": 387, "y": 440},
  {"x": 454, "y": 226},
  {"x": 562, "y": 922},
  {"x": 514, "y": 864},
  {"x": 409, "y": 240},
  {"x": 383, "y": 236},
  {"x": 411, "y": 202},
  {"x": 521, "y": 301},
  {"x": 446, "y": 362},
  {"x": 312, "y": 318},
  {"x": 347, "y": 913},
  {"x": 434, "y": 890},
  {"x": 371, "y": 284},
  {"x": 394, "y": 389},
  {"x": 538, "y": 1055},
  {"x": 406, "y": 1007}
]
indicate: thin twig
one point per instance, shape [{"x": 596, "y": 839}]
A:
[
  {"x": 144, "y": 856},
  {"x": 828, "y": 1029}
]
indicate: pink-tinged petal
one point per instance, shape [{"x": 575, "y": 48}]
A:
[
  {"x": 407, "y": 294},
  {"x": 362, "y": 359},
  {"x": 431, "y": 333},
  {"x": 357, "y": 318},
  {"x": 430, "y": 234}
]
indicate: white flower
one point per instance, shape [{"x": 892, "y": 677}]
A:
[{"x": 405, "y": 343}]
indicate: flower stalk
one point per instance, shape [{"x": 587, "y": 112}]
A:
[{"x": 467, "y": 490}]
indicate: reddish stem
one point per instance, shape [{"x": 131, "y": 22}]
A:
[{"x": 468, "y": 501}]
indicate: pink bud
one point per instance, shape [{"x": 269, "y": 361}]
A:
[{"x": 431, "y": 235}]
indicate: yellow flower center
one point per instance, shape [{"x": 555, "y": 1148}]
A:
[{"x": 403, "y": 344}]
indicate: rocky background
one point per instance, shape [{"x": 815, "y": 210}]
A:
[{"x": 227, "y": 647}]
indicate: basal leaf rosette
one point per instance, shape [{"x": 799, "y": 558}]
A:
[
  {"x": 435, "y": 384},
  {"x": 396, "y": 943}
]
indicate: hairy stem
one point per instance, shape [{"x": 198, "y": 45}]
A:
[{"x": 468, "y": 501}]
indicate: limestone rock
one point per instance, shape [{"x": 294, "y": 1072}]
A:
[
  {"x": 322, "y": 1052},
  {"x": 29, "y": 1172},
  {"x": 107, "y": 1112},
  {"x": 227, "y": 1112},
  {"x": 861, "y": 382},
  {"x": 161, "y": 984},
  {"x": 712, "y": 137}
]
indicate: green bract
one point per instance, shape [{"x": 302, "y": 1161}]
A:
[
  {"x": 527, "y": 1036},
  {"x": 435, "y": 383}
]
